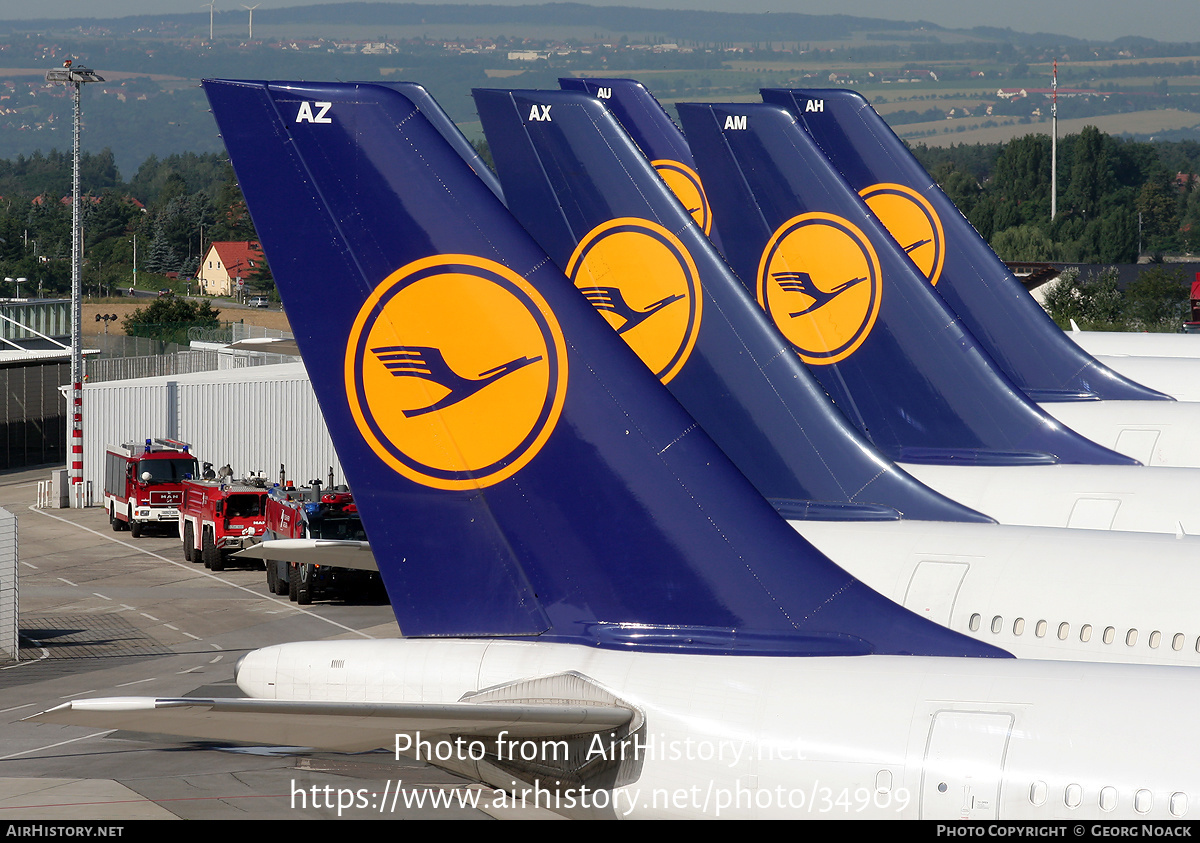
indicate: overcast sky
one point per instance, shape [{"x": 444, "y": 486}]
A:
[{"x": 1165, "y": 20}]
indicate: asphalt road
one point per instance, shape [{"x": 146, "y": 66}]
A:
[{"x": 103, "y": 614}]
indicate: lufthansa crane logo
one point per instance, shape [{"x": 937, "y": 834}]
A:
[
  {"x": 912, "y": 222},
  {"x": 645, "y": 284},
  {"x": 456, "y": 371},
  {"x": 685, "y": 184},
  {"x": 819, "y": 281}
]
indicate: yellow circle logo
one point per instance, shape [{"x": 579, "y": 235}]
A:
[
  {"x": 456, "y": 371},
  {"x": 912, "y": 222},
  {"x": 819, "y": 281},
  {"x": 645, "y": 284},
  {"x": 686, "y": 186}
]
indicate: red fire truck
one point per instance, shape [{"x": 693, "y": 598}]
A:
[
  {"x": 307, "y": 512},
  {"x": 143, "y": 483},
  {"x": 218, "y": 518}
]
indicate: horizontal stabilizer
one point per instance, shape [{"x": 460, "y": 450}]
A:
[
  {"x": 333, "y": 552},
  {"x": 345, "y": 727}
]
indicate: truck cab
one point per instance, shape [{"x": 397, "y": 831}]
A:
[
  {"x": 143, "y": 483},
  {"x": 219, "y": 518}
]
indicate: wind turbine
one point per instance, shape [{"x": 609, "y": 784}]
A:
[{"x": 251, "y": 10}]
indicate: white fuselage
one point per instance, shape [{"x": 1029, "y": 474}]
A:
[
  {"x": 821, "y": 737},
  {"x": 1093, "y": 497},
  {"x": 1138, "y": 343},
  {"x": 1039, "y": 593},
  {"x": 1159, "y": 433},
  {"x": 1178, "y": 377}
]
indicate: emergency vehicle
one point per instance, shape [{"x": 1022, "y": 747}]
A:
[
  {"x": 218, "y": 518},
  {"x": 307, "y": 512},
  {"x": 143, "y": 482}
]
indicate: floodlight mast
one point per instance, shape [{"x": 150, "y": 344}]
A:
[{"x": 77, "y": 76}]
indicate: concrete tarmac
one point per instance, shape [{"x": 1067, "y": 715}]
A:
[{"x": 104, "y": 614}]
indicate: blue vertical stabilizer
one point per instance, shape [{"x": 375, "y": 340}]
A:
[
  {"x": 660, "y": 140},
  {"x": 889, "y": 352},
  {"x": 978, "y": 287},
  {"x": 597, "y": 206},
  {"x": 519, "y": 470}
]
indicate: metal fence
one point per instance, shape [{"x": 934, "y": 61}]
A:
[
  {"x": 118, "y": 345},
  {"x": 8, "y": 586},
  {"x": 179, "y": 363},
  {"x": 241, "y": 331}
]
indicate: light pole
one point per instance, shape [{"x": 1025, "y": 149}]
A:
[{"x": 76, "y": 76}]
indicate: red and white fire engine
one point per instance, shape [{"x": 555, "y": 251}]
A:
[
  {"x": 218, "y": 518},
  {"x": 143, "y": 482}
]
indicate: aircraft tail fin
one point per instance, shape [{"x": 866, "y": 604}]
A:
[
  {"x": 440, "y": 120},
  {"x": 885, "y": 347},
  {"x": 518, "y": 469},
  {"x": 1017, "y": 333},
  {"x": 660, "y": 140},
  {"x": 596, "y": 205}
]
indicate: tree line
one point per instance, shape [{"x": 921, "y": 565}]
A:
[
  {"x": 170, "y": 211},
  {"x": 1117, "y": 199}
]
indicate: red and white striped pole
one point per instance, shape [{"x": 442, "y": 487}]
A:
[{"x": 76, "y": 76}]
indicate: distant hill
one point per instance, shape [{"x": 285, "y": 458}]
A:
[{"x": 700, "y": 26}]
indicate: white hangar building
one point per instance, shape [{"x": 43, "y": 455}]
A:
[{"x": 254, "y": 419}]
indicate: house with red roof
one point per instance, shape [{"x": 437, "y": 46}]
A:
[{"x": 226, "y": 263}]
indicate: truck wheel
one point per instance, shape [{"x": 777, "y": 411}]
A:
[
  {"x": 135, "y": 527},
  {"x": 293, "y": 581},
  {"x": 272, "y": 576},
  {"x": 112, "y": 519},
  {"x": 282, "y": 583},
  {"x": 304, "y": 588},
  {"x": 211, "y": 554},
  {"x": 189, "y": 544}
]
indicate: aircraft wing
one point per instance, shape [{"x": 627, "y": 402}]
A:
[
  {"x": 346, "y": 727},
  {"x": 333, "y": 552}
]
